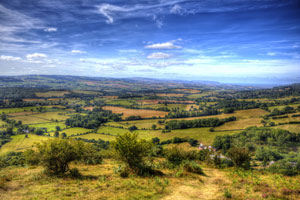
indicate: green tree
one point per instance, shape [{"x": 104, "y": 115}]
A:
[
  {"x": 56, "y": 134},
  {"x": 58, "y": 128},
  {"x": 56, "y": 154},
  {"x": 153, "y": 126},
  {"x": 240, "y": 157},
  {"x": 132, "y": 128},
  {"x": 63, "y": 135}
]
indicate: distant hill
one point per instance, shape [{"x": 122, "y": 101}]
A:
[{"x": 111, "y": 84}]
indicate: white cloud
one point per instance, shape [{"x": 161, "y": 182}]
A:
[
  {"x": 159, "y": 23},
  {"x": 271, "y": 54},
  {"x": 128, "y": 51},
  {"x": 9, "y": 58},
  {"x": 35, "y": 56},
  {"x": 50, "y": 29},
  {"x": 139, "y": 10},
  {"x": 78, "y": 51},
  {"x": 158, "y": 55},
  {"x": 176, "y": 9},
  {"x": 166, "y": 45}
]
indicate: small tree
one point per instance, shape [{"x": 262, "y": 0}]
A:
[
  {"x": 240, "y": 157},
  {"x": 131, "y": 150},
  {"x": 155, "y": 140},
  {"x": 193, "y": 142},
  {"x": 56, "y": 134},
  {"x": 63, "y": 135},
  {"x": 56, "y": 154},
  {"x": 153, "y": 126},
  {"x": 132, "y": 128},
  {"x": 58, "y": 128}
]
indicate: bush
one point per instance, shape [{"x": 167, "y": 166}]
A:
[
  {"x": 132, "y": 128},
  {"x": 193, "y": 142},
  {"x": 74, "y": 173},
  {"x": 132, "y": 151},
  {"x": 56, "y": 154},
  {"x": 122, "y": 171},
  {"x": 31, "y": 157},
  {"x": 193, "y": 167},
  {"x": 176, "y": 156},
  {"x": 12, "y": 158},
  {"x": 240, "y": 157},
  {"x": 286, "y": 168}
]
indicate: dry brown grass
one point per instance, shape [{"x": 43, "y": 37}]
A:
[{"x": 135, "y": 112}]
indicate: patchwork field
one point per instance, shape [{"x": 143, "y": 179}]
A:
[{"x": 134, "y": 112}]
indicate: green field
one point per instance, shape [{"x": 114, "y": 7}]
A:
[
  {"x": 30, "y": 119},
  {"x": 123, "y": 102},
  {"x": 53, "y": 116},
  {"x": 15, "y": 110},
  {"x": 74, "y": 131},
  {"x": 51, "y": 126},
  {"x": 201, "y": 134},
  {"x": 138, "y": 123},
  {"x": 20, "y": 143}
]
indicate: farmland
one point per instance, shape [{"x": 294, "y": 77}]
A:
[
  {"x": 97, "y": 119},
  {"x": 135, "y": 112}
]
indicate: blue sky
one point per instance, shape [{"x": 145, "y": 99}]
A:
[{"x": 232, "y": 41}]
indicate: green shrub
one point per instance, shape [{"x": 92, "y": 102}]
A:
[
  {"x": 31, "y": 157},
  {"x": 227, "y": 194},
  {"x": 56, "y": 154},
  {"x": 74, "y": 173},
  {"x": 240, "y": 157},
  {"x": 193, "y": 167},
  {"x": 285, "y": 167},
  {"x": 122, "y": 171},
  {"x": 132, "y": 151},
  {"x": 176, "y": 156},
  {"x": 12, "y": 158}
]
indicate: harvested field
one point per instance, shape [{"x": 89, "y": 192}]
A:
[
  {"x": 51, "y": 94},
  {"x": 169, "y": 95},
  {"x": 20, "y": 114},
  {"x": 89, "y": 108},
  {"x": 135, "y": 112},
  {"x": 34, "y": 100},
  {"x": 149, "y": 102},
  {"x": 193, "y": 91}
]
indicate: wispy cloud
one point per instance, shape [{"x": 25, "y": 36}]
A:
[
  {"x": 9, "y": 58},
  {"x": 78, "y": 51},
  {"x": 159, "y": 55},
  {"x": 50, "y": 29},
  {"x": 112, "y": 12},
  {"x": 166, "y": 45},
  {"x": 35, "y": 56}
]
